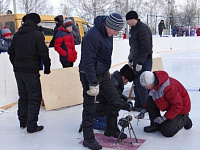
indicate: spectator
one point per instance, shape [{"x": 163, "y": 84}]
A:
[
  {"x": 26, "y": 51},
  {"x": 59, "y": 22},
  {"x": 161, "y": 26},
  {"x": 6, "y": 39},
  {"x": 64, "y": 44},
  {"x": 140, "y": 57}
]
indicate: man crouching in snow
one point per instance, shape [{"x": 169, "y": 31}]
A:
[{"x": 165, "y": 94}]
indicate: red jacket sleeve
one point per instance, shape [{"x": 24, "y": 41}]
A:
[{"x": 58, "y": 48}]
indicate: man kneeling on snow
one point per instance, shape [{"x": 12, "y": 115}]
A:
[{"x": 165, "y": 94}]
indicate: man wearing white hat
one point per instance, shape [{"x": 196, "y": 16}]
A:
[{"x": 169, "y": 95}]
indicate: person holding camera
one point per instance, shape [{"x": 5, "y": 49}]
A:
[
  {"x": 96, "y": 52},
  {"x": 119, "y": 79},
  {"x": 169, "y": 95}
]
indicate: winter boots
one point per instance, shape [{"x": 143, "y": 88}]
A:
[
  {"x": 188, "y": 123},
  {"x": 152, "y": 128},
  {"x": 92, "y": 144},
  {"x": 112, "y": 129},
  {"x": 39, "y": 128}
]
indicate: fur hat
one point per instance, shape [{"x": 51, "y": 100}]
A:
[
  {"x": 131, "y": 15},
  {"x": 68, "y": 22},
  {"x": 147, "y": 78},
  {"x": 114, "y": 21},
  {"x": 5, "y": 32},
  {"x": 34, "y": 17},
  {"x": 128, "y": 72}
]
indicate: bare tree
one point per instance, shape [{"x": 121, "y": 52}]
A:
[
  {"x": 65, "y": 9},
  {"x": 89, "y": 9},
  {"x": 4, "y": 4},
  {"x": 37, "y": 6}
]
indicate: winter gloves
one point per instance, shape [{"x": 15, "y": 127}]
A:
[
  {"x": 130, "y": 104},
  {"x": 138, "y": 67},
  {"x": 47, "y": 70},
  {"x": 141, "y": 114},
  {"x": 160, "y": 119},
  {"x": 93, "y": 90}
]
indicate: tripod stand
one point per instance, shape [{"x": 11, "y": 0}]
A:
[{"x": 125, "y": 122}]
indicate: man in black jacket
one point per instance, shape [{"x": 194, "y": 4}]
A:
[
  {"x": 59, "y": 22},
  {"x": 96, "y": 52},
  {"x": 119, "y": 79},
  {"x": 140, "y": 57},
  {"x": 26, "y": 51}
]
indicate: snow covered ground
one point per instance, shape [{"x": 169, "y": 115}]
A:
[{"x": 61, "y": 126}]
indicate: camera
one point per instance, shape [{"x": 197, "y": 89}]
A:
[{"x": 124, "y": 122}]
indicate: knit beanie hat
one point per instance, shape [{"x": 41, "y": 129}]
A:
[
  {"x": 128, "y": 72},
  {"x": 5, "y": 32},
  {"x": 34, "y": 17},
  {"x": 114, "y": 21},
  {"x": 131, "y": 15},
  {"x": 147, "y": 78},
  {"x": 68, "y": 22}
]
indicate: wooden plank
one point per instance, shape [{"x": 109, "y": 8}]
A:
[
  {"x": 8, "y": 106},
  {"x": 61, "y": 88}
]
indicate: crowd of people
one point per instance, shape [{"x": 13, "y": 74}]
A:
[
  {"x": 102, "y": 91},
  {"x": 178, "y": 31}
]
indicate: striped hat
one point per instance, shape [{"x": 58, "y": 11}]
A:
[
  {"x": 68, "y": 22},
  {"x": 114, "y": 21},
  {"x": 5, "y": 32}
]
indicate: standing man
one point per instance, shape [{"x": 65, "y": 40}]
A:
[
  {"x": 161, "y": 26},
  {"x": 59, "y": 22},
  {"x": 140, "y": 57},
  {"x": 169, "y": 95},
  {"x": 26, "y": 51},
  {"x": 96, "y": 52}
]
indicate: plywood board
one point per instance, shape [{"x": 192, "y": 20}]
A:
[
  {"x": 61, "y": 88},
  {"x": 157, "y": 64}
]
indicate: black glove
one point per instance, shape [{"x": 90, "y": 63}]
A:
[
  {"x": 47, "y": 70},
  {"x": 141, "y": 114}
]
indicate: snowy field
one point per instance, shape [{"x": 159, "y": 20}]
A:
[{"x": 61, "y": 126}]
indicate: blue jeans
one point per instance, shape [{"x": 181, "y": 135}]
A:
[{"x": 141, "y": 93}]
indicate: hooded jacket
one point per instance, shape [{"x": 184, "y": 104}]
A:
[
  {"x": 59, "y": 19},
  {"x": 170, "y": 96},
  {"x": 28, "y": 48},
  {"x": 64, "y": 45},
  {"x": 96, "y": 51}
]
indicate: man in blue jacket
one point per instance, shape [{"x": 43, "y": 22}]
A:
[{"x": 96, "y": 52}]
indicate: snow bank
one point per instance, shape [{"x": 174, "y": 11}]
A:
[{"x": 8, "y": 88}]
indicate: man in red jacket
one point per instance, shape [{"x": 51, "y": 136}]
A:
[{"x": 169, "y": 95}]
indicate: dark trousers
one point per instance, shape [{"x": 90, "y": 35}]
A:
[
  {"x": 67, "y": 64},
  {"x": 168, "y": 128},
  {"x": 89, "y": 107},
  {"x": 30, "y": 96},
  {"x": 141, "y": 93},
  {"x": 160, "y": 33}
]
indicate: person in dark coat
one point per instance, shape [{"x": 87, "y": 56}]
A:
[
  {"x": 6, "y": 39},
  {"x": 59, "y": 22},
  {"x": 96, "y": 52},
  {"x": 169, "y": 95},
  {"x": 26, "y": 51},
  {"x": 140, "y": 57},
  {"x": 119, "y": 79},
  {"x": 161, "y": 27},
  {"x": 64, "y": 44}
]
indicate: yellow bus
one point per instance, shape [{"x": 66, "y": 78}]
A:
[{"x": 14, "y": 21}]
